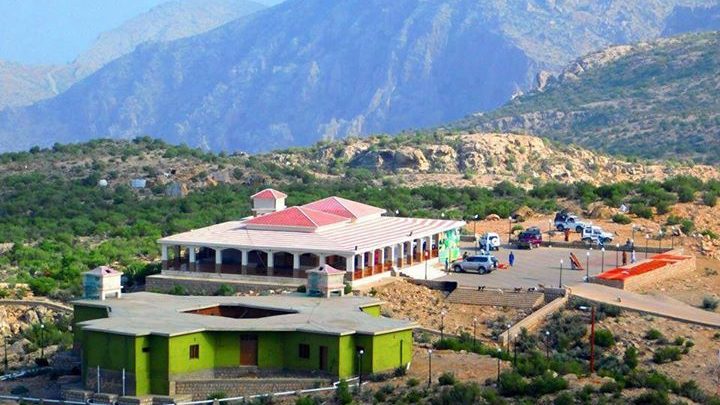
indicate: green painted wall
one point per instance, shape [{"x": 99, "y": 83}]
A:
[
  {"x": 179, "y": 353},
  {"x": 346, "y": 356},
  {"x": 387, "y": 353},
  {"x": 291, "y": 352},
  {"x": 85, "y": 313},
  {"x": 373, "y": 310}
]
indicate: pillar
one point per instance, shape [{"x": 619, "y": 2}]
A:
[
  {"x": 270, "y": 263},
  {"x": 429, "y": 246},
  {"x": 296, "y": 265},
  {"x": 177, "y": 257},
  {"x": 402, "y": 255},
  {"x": 362, "y": 261},
  {"x": 350, "y": 263},
  {"x": 321, "y": 260},
  {"x": 218, "y": 261},
  {"x": 371, "y": 258},
  {"x": 191, "y": 256},
  {"x": 243, "y": 261},
  {"x": 164, "y": 256},
  {"x": 382, "y": 258}
]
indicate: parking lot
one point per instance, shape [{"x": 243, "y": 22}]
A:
[{"x": 534, "y": 267}]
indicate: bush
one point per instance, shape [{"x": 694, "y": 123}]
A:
[
  {"x": 710, "y": 303},
  {"x": 343, "y": 394},
  {"x": 382, "y": 393},
  {"x": 178, "y": 290},
  {"x": 545, "y": 384},
  {"x": 307, "y": 400},
  {"x": 564, "y": 399},
  {"x": 667, "y": 355},
  {"x": 301, "y": 288},
  {"x": 19, "y": 390},
  {"x": 512, "y": 384},
  {"x": 604, "y": 338},
  {"x": 412, "y": 382},
  {"x": 691, "y": 390},
  {"x": 447, "y": 378},
  {"x": 225, "y": 290},
  {"x": 642, "y": 211},
  {"x": 348, "y": 289},
  {"x": 630, "y": 358},
  {"x": 459, "y": 394},
  {"x": 653, "y": 334},
  {"x": 710, "y": 198},
  {"x": 216, "y": 395},
  {"x": 610, "y": 387},
  {"x": 652, "y": 398},
  {"x": 687, "y": 226},
  {"x": 621, "y": 219}
]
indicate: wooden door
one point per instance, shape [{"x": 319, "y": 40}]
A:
[
  {"x": 248, "y": 350},
  {"x": 323, "y": 358}
]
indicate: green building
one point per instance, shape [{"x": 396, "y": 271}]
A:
[{"x": 154, "y": 340}]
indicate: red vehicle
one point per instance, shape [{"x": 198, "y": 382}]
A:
[{"x": 530, "y": 238}]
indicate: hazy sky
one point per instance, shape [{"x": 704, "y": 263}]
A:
[{"x": 56, "y": 31}]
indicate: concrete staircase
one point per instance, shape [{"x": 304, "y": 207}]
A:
[{"x": 496, "y": 297}]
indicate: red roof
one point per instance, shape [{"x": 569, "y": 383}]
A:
[
  {"x": 645, "y": 266},
  {"x": 269, "y": 194},
  {"x": 331, "y": 270},
  {"x": 300, "y": 217},
  {"x": 344, "y": 207},
  {"x": 103, "y": 271}
]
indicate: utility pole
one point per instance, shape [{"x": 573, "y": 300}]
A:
[
  {"x": 587, "y": 267},
  {"x": 561, "y": 271},
  {"x": 592, "y": 340},
  {"x": 475, "y": 333},
  {"x": 429, "y": 367}
]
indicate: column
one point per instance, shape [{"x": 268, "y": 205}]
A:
[
  {"x": 393, "y": 257},
  {"x": 321, "y": 260},
  {"x": 429, "y": 246},
  {"x": 164, "y": 256},
  {"x": 243, "y": 261},
  {"x": 296, "y": 265},
  {"x": 362, "y": 261},
  {"x": 218, "y": 261},
  {"x": 270, "y": 263},
  {"x": 176, "y": 265},
  {"x": 350, "y": 263},
  {"x": 402, "y": 255},
  {"x": 372, "y": 261},
  {"x": 382, "y": 259},
  {"x": 191, "y": 261}
]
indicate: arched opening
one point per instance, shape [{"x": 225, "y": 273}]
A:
[
  {"x": 408, "y": 259},
  {"x": 377, "y": 263},
  {"x": 231, "y": 261},
  {"x": 309, "y": 261},
  {"x": 282, "y": 264},
  {"x": 257, "y": 262},
  {"x": 205, "y": 260},
  {"x": 338, "y": 262}
]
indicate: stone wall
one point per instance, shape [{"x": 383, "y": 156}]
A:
[
  {"x": 200, "y": 389},
  {"x": 447, "y": 286},
  {"x": 534, "y": 320},
  {"x": 200, "y": 286}
]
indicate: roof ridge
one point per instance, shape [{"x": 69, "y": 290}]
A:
[{"x": 339, "y": 201}]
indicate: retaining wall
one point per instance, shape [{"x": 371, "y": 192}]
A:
[
  {"x": 200, "y": 389},
  {"x": 447, "y": 286},
  {"x": 532, "y": 321},
  {"x": 671, "y": 270},
  {"x": 201, "y": 286}
]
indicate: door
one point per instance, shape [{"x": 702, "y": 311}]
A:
[
  {"x": 248, "y": 350},
  {"x": 323, "y": 358}
]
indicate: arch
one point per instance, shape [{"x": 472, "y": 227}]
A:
[
  {"x": 338, "y": 262},
  {"x": 283, "y": 260},
  {"x": 257, "y": 259},
  {"x": 309, "y": 261},
  {"x": 232, "y": 256}
]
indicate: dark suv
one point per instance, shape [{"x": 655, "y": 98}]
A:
[{"x": 530, "y": 238}]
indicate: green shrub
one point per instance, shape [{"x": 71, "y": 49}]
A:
[
  {"x": 459, "y": 394},
  {"x": 178, "y": 290},
  {"x": 301, "y": 288},
  {"x": 653, "y": 334},
  {"x": 412, "y": 382},
  {"x": 673, "y": 220},
  {"x": 652, "y": 398},
  {"x": 604, "y": 338},
  {"x": 19, "y": 390},
  {"x": 400, "y": 371},
  {"x": 447, "y": 378},
  {"x": 348, "y": 289},
  {"x": 710, "y": 303},
  {"x": 710, "y": 198},
  {"x": 413, "y": 396},
  {"x": 687, "y": 226},
  {"x": 307, "y": 400},
  {"x": 690, "y": 390},
  {"x": 512, "y": 384},
  {"x": 621, "y": 219},
  {"x": 630, "y": 358},
  {"x": 343, "y": 394},
  {"x": 545, "y": 384},
  {"x": 679, "y": 341},
  {"x": 642, "y": 211},
  {"x": 610, "y": 387},
  {"x": 492, "y": 397},
  {"x": 225, "y": 290},
  {"x": 667, "y": 355},
  {"x": 216, "y": 395},
  {"x": 564, "y": 399}
]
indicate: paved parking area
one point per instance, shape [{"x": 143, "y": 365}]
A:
[{"x": 537, "y": 266}]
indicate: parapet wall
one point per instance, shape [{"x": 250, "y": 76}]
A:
[
  {"x": 201, "y": 389},
  {"x": 673, "y": 269}
]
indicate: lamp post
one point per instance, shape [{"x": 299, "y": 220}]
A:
[
  {"x": 602, "y": 262},
  {"x": 361, "y": 352},
  {"x": 660, "y": 235},
  {"x": 672, "y": 238},
  {"x": 587, "y": 266},
  {"x": 550, "y": 231},
  {"x": 442, "y": 324},
  {"x": 475, "y": 320},
  {"x": 425, "y": 253},
  {"x": 617, "y": 254},
  {"x": 547, "y": 345},
  {"x": 561, "y": 271},
  {"x": 515, "y": 350},
  {"x": 42, "y": 340},
  {"x": 499, "y": 351},
  {"x": 475, "y": 224},
  {"x": 633, "y": 232},
  {"x": 5, "y": 362},
  {"x": 429, "y": 367},
  {"x": 508, "y": 337},
  {"x": 647, "y": 244},
  {"x": 509, "y": 229}
]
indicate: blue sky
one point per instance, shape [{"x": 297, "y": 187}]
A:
[{"x": 56, "y": 31}]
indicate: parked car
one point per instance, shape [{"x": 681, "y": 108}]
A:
[
  {"x": 530, "y": 238},
  {"x": 571, "y": 222},
  {"x": 595, "y": 234},
  {"x": 479, "y": 263},
  {"x": 489, "y": 241}
]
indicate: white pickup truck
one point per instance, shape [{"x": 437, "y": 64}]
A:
[
  {"x": 595, "y": 234},
  {"x": 571, "y": 222}
]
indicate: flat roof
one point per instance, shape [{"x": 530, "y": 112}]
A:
[
  {"x": 145, "y": 313},
  {"x": 343, "y": 239}
]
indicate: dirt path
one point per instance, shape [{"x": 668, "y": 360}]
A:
[{"x": 465, "y": 366}]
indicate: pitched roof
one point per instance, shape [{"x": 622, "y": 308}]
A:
[
  {"x": 344, "y": 207},
  {"x": 103, "y": 271},
  {"x": 296, "y": 217},
  {"x": 330, "y": 269},
  {"x": 269, "y": 194}
]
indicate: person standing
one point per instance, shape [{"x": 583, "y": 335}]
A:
[
  {"x": 624, "y": 257},
  {"x": 633, "y": 259},
  {"x": 511, "y": 259}
]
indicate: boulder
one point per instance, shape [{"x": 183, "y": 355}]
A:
[{"x": 492, "y": 217}]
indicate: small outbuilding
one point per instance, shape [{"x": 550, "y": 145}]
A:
[
  {"x": 102, "y": 282},
  {"x": 326, "y": 281}
]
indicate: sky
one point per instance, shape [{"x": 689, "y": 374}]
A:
[{"x": 57, "y": 31}]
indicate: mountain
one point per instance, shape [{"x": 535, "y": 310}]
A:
[
  {"x": 315, "y": 69},
  {"x": 692, "y": 19},
  {"x": 23, "y": 85},
  {"x": 653, "y": 99}
]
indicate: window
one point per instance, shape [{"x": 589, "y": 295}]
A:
[
  {"x": 303, "y": 351},
  {"x": 194, "y": 352}
]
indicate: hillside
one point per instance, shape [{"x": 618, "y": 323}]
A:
[
  {"x": 309, "y": 70},
  {"x": 23, "y": 85},
  {"x": 405, "y": 160},
  {"x": 654, "y": 99}
]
